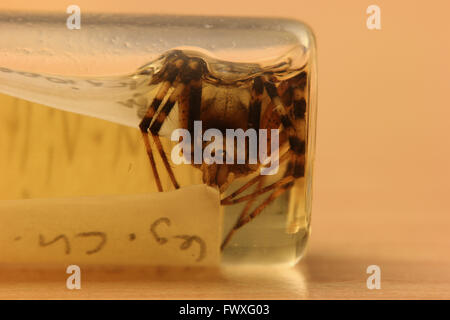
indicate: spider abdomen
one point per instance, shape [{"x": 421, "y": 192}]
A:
[{"x": 224, "y": 107}]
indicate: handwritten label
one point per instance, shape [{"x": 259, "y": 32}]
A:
[{"x": 181, "y": 227}]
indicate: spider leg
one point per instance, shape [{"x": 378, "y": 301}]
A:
[
  {"x": 297, "y": 141},
  {"x": 280, "y": 187},
  {"x": 145, "y": 124},
  {"x": 157, "y": 124},
  {"x": 229, "y": 199},
  {"x": 263, "y": 205},
  {"x": 292, "y": 93},
  {"x": 268, "y": 188},
  {"x": 295, "y": 127},
  {"x": 241, "y": 189},
  {"x": 251, "y": 201},
  {"x": 170, "y": 74},
  {"x": 269, "y": 120},
  {"x": 242, "y": 215},
  {"x": 190, "y": 75},
  {"x": 255, "y": 121},
  {"x": 254, "y": 113},
  {"x": 247, "y": 218}
]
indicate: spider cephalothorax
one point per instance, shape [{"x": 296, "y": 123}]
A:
[{"x": 256, "y": 99}]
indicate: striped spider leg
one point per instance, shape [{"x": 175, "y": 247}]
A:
[
  {"x": 289, "y": 104},
  {"x": 184, "y": 75}
]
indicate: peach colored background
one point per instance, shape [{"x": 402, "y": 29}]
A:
[{"x": 383, "y": 140}]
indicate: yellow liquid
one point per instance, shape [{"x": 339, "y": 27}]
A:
[{"x": 53, "y": 153}]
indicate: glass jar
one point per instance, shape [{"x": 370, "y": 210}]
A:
[{"x": 161, "y": 74}]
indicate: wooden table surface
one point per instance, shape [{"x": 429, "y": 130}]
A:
[{"x": 414, "y": 262}]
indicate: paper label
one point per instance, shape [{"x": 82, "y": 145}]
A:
[{"x": 178, "y": 228}]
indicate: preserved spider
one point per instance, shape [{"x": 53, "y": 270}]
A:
[{"x": 262, "y": 99}]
